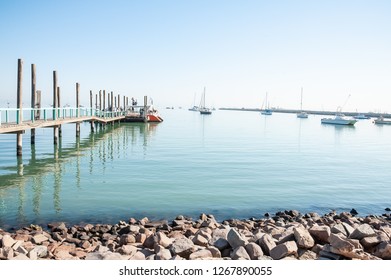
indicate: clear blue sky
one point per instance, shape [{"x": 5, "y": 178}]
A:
[{"x": 170, "y": 50}]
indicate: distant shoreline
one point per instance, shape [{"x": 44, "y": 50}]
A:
[{"x": 311, "y": 112}]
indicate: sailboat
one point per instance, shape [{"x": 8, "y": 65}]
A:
[
  {"x": 204, "y": 110},
  {"x": 302, "y": 114},
  {"x": 266, "y": 110},
  {"x": 195, "y": 108}
]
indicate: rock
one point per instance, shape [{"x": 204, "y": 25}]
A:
[
  {"x": 163, "y": 240},
  {"x": 162, "y": 253},
  {"x": 20, "y": 257},
  {"x": 254, "y": 251},
  {"x": 200, "y": 240},
  {"x": 372, "y": 241},
  {"x": 182, "y": 247},
  {"x": 138, "y": 256},
  {"x": 353, "y": 212},
  {"x": 38, "y": 252},
  {"x": 127, "y": 250},
  {"x": 267, "y": 243},
  {"x": 127, "y": 239},
  {"x": 64, "y": 255},
  {"x": 105, "y": 256},
  {"x": 201, "y": 255},
  {"x": 383, "y": 251},
  {"x": 215, "y": 252},
  {"x": 348, "y": 248},
  {"x": 320, "y": 233},
  {"x": 307, "y": 255},
  {"x": 339, "y": 228},
  {"x": 7, "y": 241},
  {"x": 362, "y": 231},
  {"x": 284, "y": 250},
  {"x": 219, "y": 239},
  {"x": 349, "y": 229},
  {"x": 388, "y": 209},
  {"x": 303, "y": 238},
  {"x": 39, "y": 239},
  {"x": 235, "y": 239},
  {"x": 240, "y": 253}
]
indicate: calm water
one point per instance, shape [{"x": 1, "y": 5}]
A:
[{"x": 230, "y": 164}]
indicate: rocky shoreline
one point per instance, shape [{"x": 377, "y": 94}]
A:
[{"x": 285, "y": 235}]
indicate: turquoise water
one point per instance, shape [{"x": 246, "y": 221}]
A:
[{"x": 230, "y": 164}]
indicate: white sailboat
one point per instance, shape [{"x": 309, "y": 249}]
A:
[
  {"x": 195, "y": 108},
  {"x": 266, "y": 110},
  {"x": 204, "y": 110},
  {"x": 302, "y": 114}
]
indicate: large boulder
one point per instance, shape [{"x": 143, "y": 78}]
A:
[
  {"x": 235, "y": 239},
  {"x": 267, "y": 243},
  {"x": 182, "y": 247},
  {"x": 283, "y": 250},
  {"x": 320, "y": 233},
  {"x": 303, "y": 238},
  {"x": 362, "y": 231}
]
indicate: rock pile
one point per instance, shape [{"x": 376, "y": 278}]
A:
[{"x": 287, "y": 235}]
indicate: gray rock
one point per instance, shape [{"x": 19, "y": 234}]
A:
[
  {"x": 320, "y": 233},
  {"x": 138, "y": 256},
  {"x": 20, "y": 257},
  {"x": 127, "y": 239},
  {"x": 219, "y": 239},
  {"x": 235, "y": 239},
  {"x": 349, "y": 229},
  {"x": 254, "y": 251},
  {"x": 105, "y": 256},
  {"x": 127, "y": 250},
  {"x": 162, "y": 253},
  {"x": 303, "y": 238},
  {"x": 38, "y": 252},
  {"x": 182, "y": 247},
  {"x": 348, "y": 248},
  {"x": 307, "y": 255},
  {"x": 200, "y": 240},
  {"x": 339, "y": 228},
  {"x": 284, "y": 250},
  {"x": 240, "y": 253},
  {"x": 362, "y": 231},
  {"x": 267, "y": 243},
  {"x": 201, "y": 255}
]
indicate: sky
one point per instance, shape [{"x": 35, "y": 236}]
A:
[{"x": 338, "y": 51}]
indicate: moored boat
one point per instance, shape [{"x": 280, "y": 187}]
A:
[
  {"x": 265, "y": 110},
  {"x": 382, "y": 120},
  {"x": 339, "y": 119},
  {"x": 361, "y": 117},
  {"x": 302, "y": 114},
  {"x": 202, "y": 109}
]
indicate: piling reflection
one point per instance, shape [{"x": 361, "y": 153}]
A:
[{"x": 25, "y": 194}]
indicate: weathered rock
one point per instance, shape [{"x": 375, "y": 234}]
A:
[
  {"x": 372, "y": 241},
  {"x": 383, "y": 250},
  {"x": 38, "y": 252},
  {"x": 7, "y": 241},
  {"x": 105, "y": 256},
  {"x": 347, "y": 248},
  {"x": 200, "y": 240},
  {"x": 307, "y": 255},
  {"x": 339, "y": 228},
  {"x": 219, "y": 239},
  {"x": 162, "y": 253},
  {"x": 182, "y": 247},
  {"x": 39, "y": 239},
  {"x": 254, "y": 251},
  {"x": 303, "y": 238},
  {"x": 240, "y": 253},
  {"x": 283, "y": 250},
  {"x": 201, "y": 255},
  {"x": 163, "y": 240},
  {"x": 127, "y": 239},
  {"x": 267, "y": 243},
  {"x": 362, "y": 231},
  {"x": 235, "y": 239},
  {"x": 320, "y": 233},
  {"x": 215, "y": 252},
  {"x": 127, "y": 250}
]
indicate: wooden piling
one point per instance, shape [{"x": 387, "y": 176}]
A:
[
  {"x": 77, "y": 110},
  {"x": 108, "y": 102},
  {"x": 38, "y": 105},
  {"x": 100, "y": 102},
  {"x": 119, "y": 103},
  {"x": 33, "y": 101},
  {"x": 112, "y": 102},
  {"x": 55, "y": 128},
  {"x": 58, "y": 111},
  {"x": 19, "y": 106},
  {"x": 91, "y": 111},
  {"x": 124, "y": 102},
  {"x": 104, "y": 100}
]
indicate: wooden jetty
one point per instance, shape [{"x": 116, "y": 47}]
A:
[{"x": 18, "y": 120}]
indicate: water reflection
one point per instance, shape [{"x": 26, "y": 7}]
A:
[{"x": 24, "y": 191}]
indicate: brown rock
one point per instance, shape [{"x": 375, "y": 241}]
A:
[
  {"x": 200, "y": 240},
  {"x": 163, "y": 240},
  {"x": 7, "y": 241},
  {"x": 320, "y": 233},
  {"x": 39, "y": 239},
  {"x": 182, "y": 247},
  {"x": 303, "y": 238},
  {"x": 362, "y": 231},
  {"x": 267, "y": 243},
  {"x": 240, "y": 253},
  {"x": 372, "y": 241},
  {"x": 254, "y": 251},
  {"x": 283, "y": 250},
  {"x": 201, "y": 255},
  {"x": 383, "y": 250},
  {"x": 127, "y": 239},
  {"x": 215, "y": 252}
]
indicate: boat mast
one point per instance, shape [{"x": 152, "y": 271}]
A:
[{"x": 301, "y": 100}]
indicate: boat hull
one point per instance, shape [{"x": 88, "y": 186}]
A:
[
  {"x": 302, "y": 115},
  {"x": 382, "y": 122},
  {"x": 338, "y": 121},
  {"x": 266, "y": 112},
  {"x": 153, "y": 118}
]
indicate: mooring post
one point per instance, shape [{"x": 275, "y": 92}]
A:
[
  {"x": 77, "y": 110},
  {"x": 38, "y": 105},
  {"x": 58, "y": 111},
  {"x": 104, "y": 102},
  {"x": 19, "y": 106},
  {"x": 124, "y": 103},
  {"x": 100, "y": 103},
  {"x": 33, "y": 102},
  {"x": 145, "y": 108},
  {"x": 108, "y": 102},
  {"x": 55, "y": 128},
  {"x": 112, "y": 104},
  {"x": 91, "y": 122}
]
